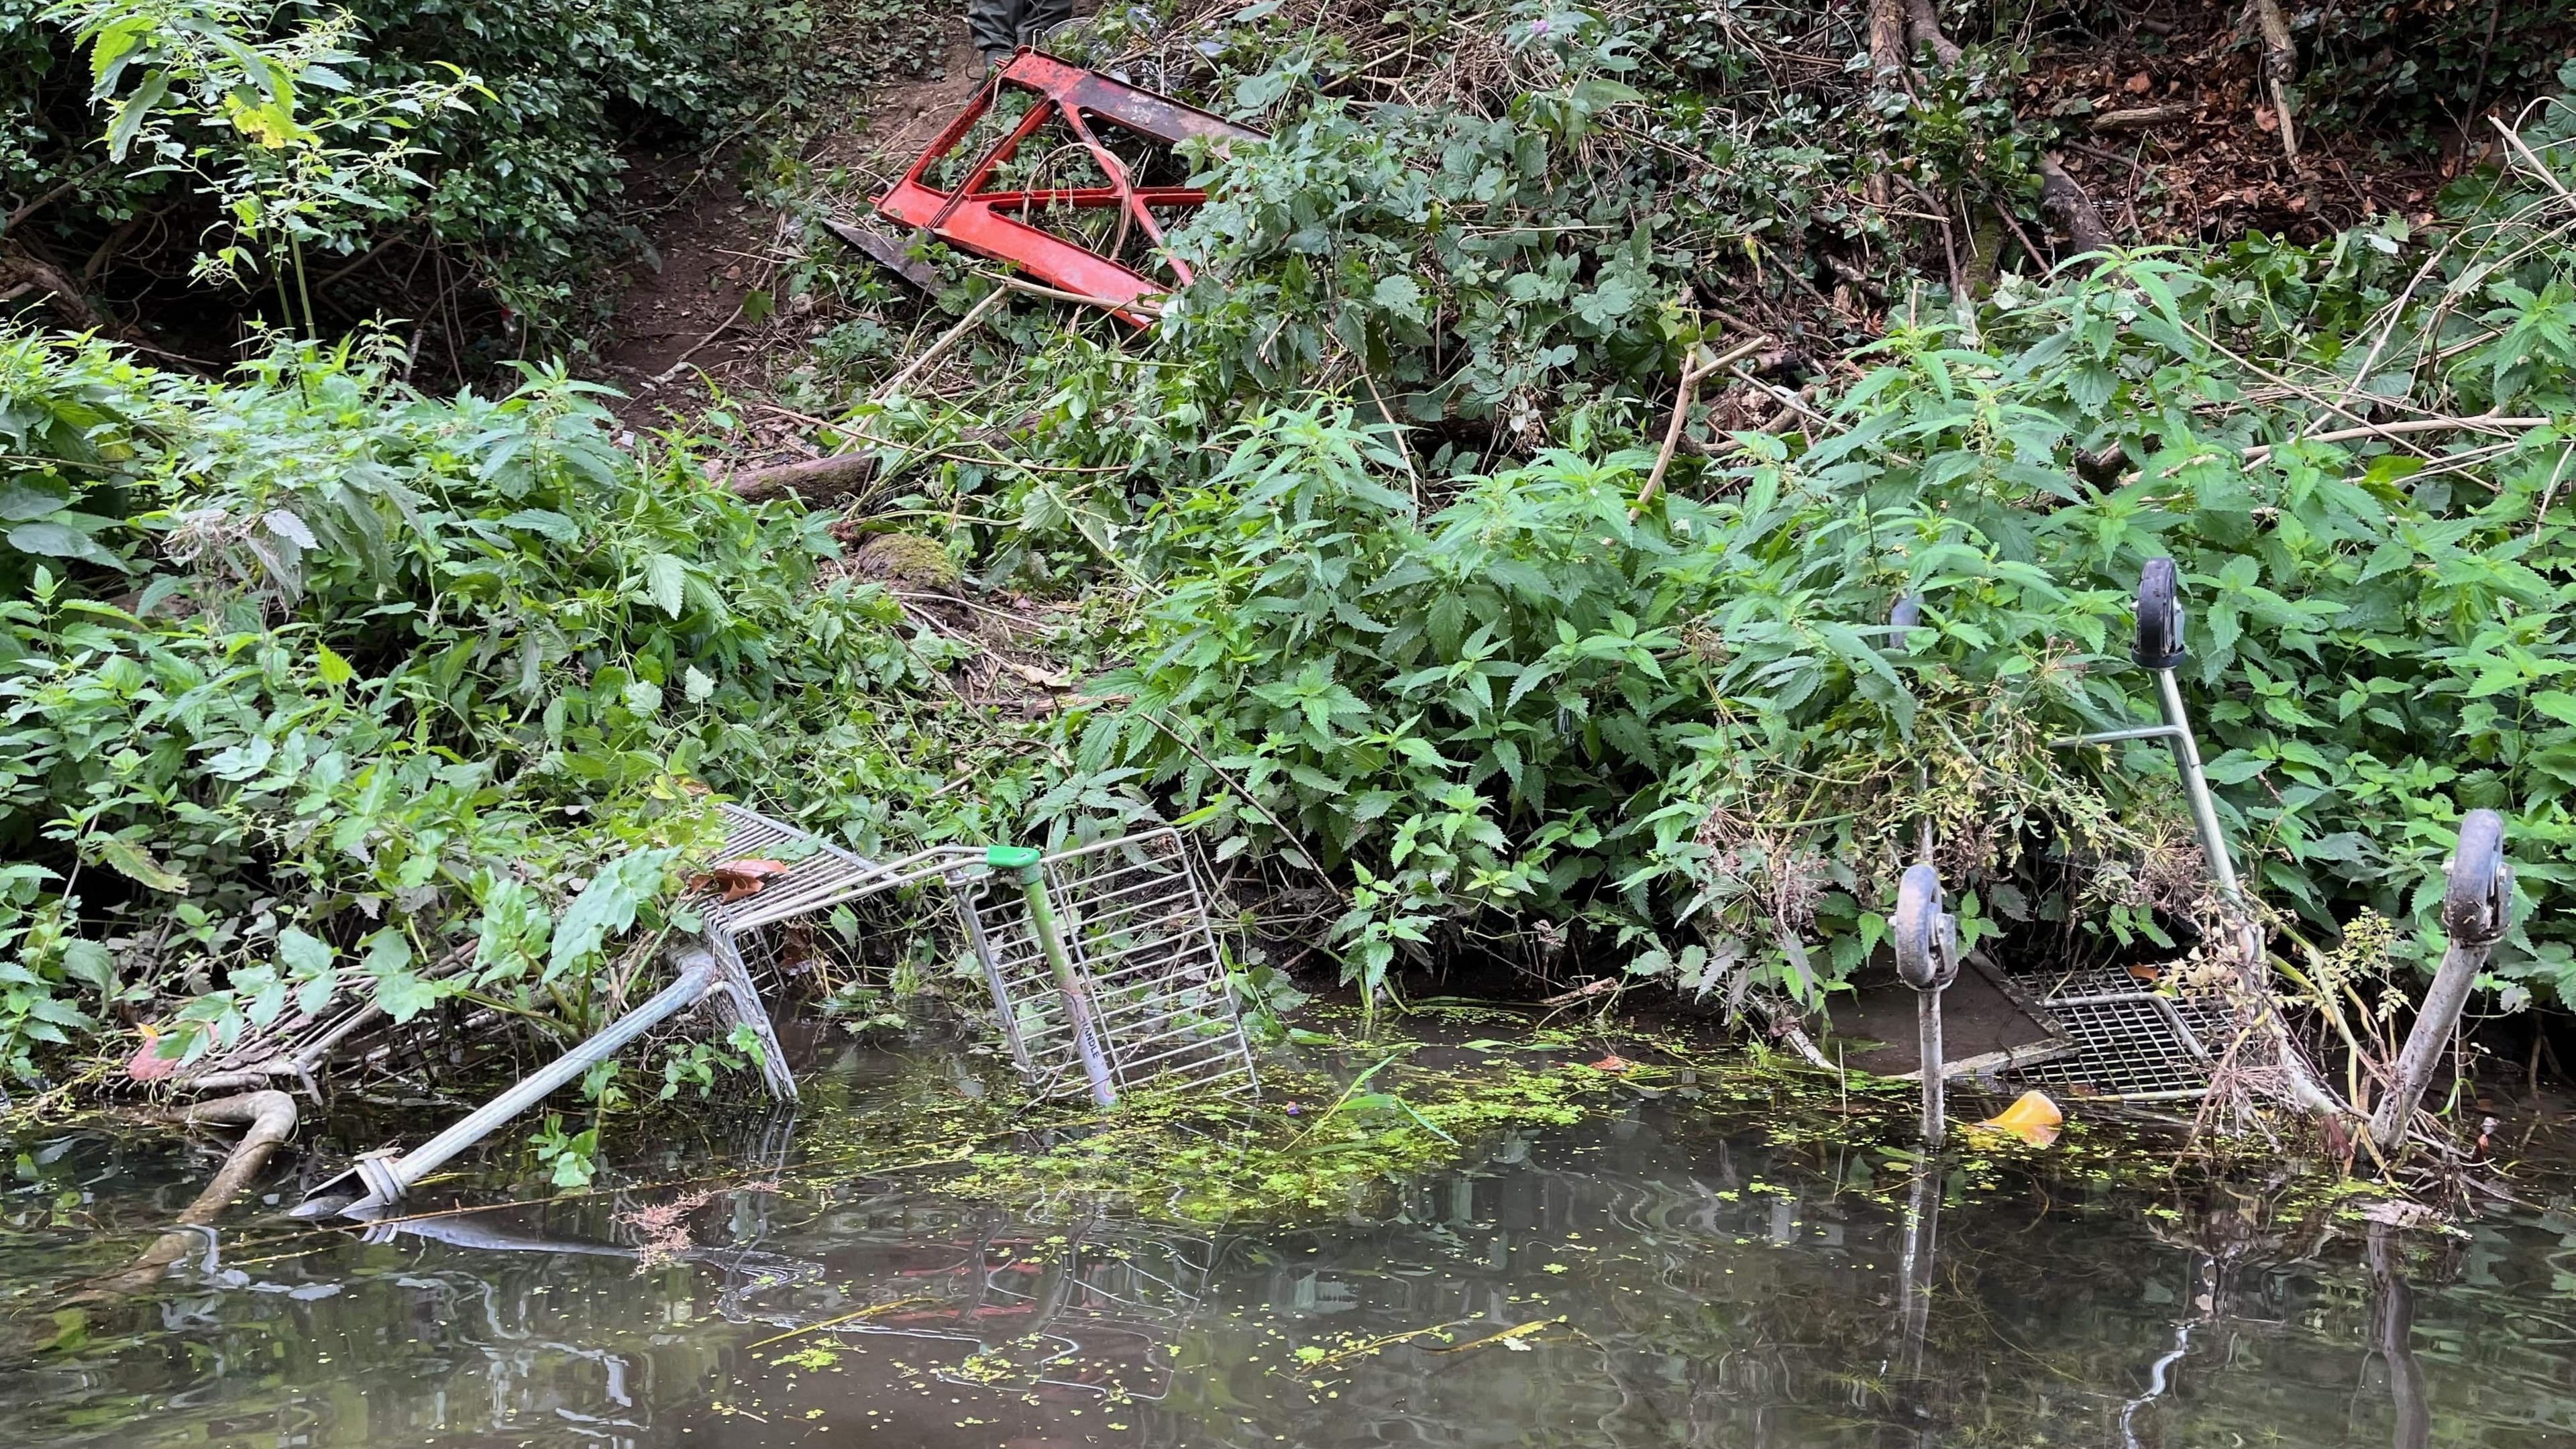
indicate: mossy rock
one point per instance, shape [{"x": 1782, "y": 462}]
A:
[{"x": 906, "y": 558}]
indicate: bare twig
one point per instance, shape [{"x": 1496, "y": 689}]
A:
[
  {"x": 946, "y": 344},
  {"x": 1692, "y": 372},
  {"x": 2539, "y": 168},
  {"x": 2481, "y": 422},
  {"x": 2280, "y": 72},
  {"x": 1249, "y": 798}
]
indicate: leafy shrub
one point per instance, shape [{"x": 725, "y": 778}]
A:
[
  {"x": 1499, "y": 699},
  {"x": 315, "y": 686},
  {"x": 348, "y": 132}
]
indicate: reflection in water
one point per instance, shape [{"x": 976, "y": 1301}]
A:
[
  {"x": 1655, "y": 1279},
  {"x": 2393, "y": 1306}
]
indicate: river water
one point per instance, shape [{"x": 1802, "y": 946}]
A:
[{"x": 1662, "y": 1274}]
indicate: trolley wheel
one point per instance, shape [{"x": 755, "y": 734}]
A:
[
  {"x": 2159, "y": 640},
  {"x": 2479, "y": 904},
  {"x": 1923, "y": 958}
]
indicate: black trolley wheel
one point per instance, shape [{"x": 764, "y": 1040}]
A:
[
  {"x": 1916, "y": 929},
  {"x": 2159, "y": 639}
]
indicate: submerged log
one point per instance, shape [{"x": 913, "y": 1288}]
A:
[{"x": 271, "y": 1118}]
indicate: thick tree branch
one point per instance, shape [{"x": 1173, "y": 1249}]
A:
[{"x": 2067, "y": 200}]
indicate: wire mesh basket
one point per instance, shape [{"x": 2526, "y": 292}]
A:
[
  {"x": 1145, "y": 969},
  {"x": 1104, "y": 970}
]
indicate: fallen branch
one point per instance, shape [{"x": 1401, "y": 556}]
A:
[
  {"x": 271, "y": 1117},
  {"x": 2280, "y": 71},
  {"x": 1692, "y": 373},
  {"x": 2475, "y": 423},
  {"x": 2137, "y": 117},
  {"x": 837, "y": 476},
  {"x": 2066, "y": 198},
  {"x": 22, "y": 272},
  {"x": 816, "y": 480},
  {"x": 1599, "y": 986}
]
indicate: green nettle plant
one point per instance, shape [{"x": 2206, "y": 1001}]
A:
[
  {"x": 1502, "y": 699},
  {"x": 313, "y": 688},
  {"x": 280, "y": 131}
]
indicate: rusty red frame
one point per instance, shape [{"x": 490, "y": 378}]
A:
[{"x": 983, "y": 222}]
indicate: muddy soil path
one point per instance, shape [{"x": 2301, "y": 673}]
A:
[{"x": 682, "y": 318}]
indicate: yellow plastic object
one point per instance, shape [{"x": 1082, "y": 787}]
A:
[{"x": 2032, "y": 1117}]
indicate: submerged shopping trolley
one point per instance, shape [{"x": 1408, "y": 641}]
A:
[
  {"x": 2117, "y": 1038},
  {"x": 1103, "y": 968}
]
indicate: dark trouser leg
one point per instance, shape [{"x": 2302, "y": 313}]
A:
[
  {"x": 1037, "y": 17},
  {"x": 995, "y": 25}
]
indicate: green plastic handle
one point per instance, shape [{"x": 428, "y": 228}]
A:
[{"x": 1010, "y": 857}]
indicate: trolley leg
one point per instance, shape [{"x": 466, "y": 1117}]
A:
[{"x": 1077, "y": 1001}]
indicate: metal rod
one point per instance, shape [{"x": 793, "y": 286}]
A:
[
  {"x": 1927, "y": 1019},
  {"x": 2114, "y": 737},
  {"x": 2425, "y": 1043},
  {"x": 388, "y": 1178},
  {"x": 1077, "y": 1003},
  {"x": 2195, "y": 785},
  {"x": 1006, "y": 1012},
  {"x": 2477, "y": 910}
]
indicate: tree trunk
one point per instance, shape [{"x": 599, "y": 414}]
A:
[
  {"x": 1923, "y": 20},
  {"x": 1887, "y": 68},
  {"x": 2280, "y": 72}
]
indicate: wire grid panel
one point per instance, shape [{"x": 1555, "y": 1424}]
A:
[
  {"x": 1134, "y": 921},
  {"x": 819, "y": 875},
  {"x": 2210, "y": 1017},
  {"x": 2126, "y": 1048}
]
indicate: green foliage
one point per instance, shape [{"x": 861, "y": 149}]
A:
[
  {"x": 335, "y": 132},
  {"x": 1493, "y": 699},
  {"x": 348, "y": 692}
]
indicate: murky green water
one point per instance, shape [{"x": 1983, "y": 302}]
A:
[{"x": 1659, "y": 1276}]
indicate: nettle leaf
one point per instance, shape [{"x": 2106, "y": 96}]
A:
[
  {"x": 667, "y": 580},
  {"x": 607, "y": 906},
  {"x": 25, "y": 499},
  {"x": 134, "y": 863},
  {"x": 49, "y": 539}
]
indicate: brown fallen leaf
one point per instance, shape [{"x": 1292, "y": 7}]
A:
[
  {"x": 739, "y": 878},
  {"x": 1043, "y": 678}
]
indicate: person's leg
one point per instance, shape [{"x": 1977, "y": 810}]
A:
[
  {"x": 1037, "y": 17},
  {"x": 995, "y": 26}
]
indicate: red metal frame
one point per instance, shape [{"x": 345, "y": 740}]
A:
[{"x": 980, "y": 220}]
